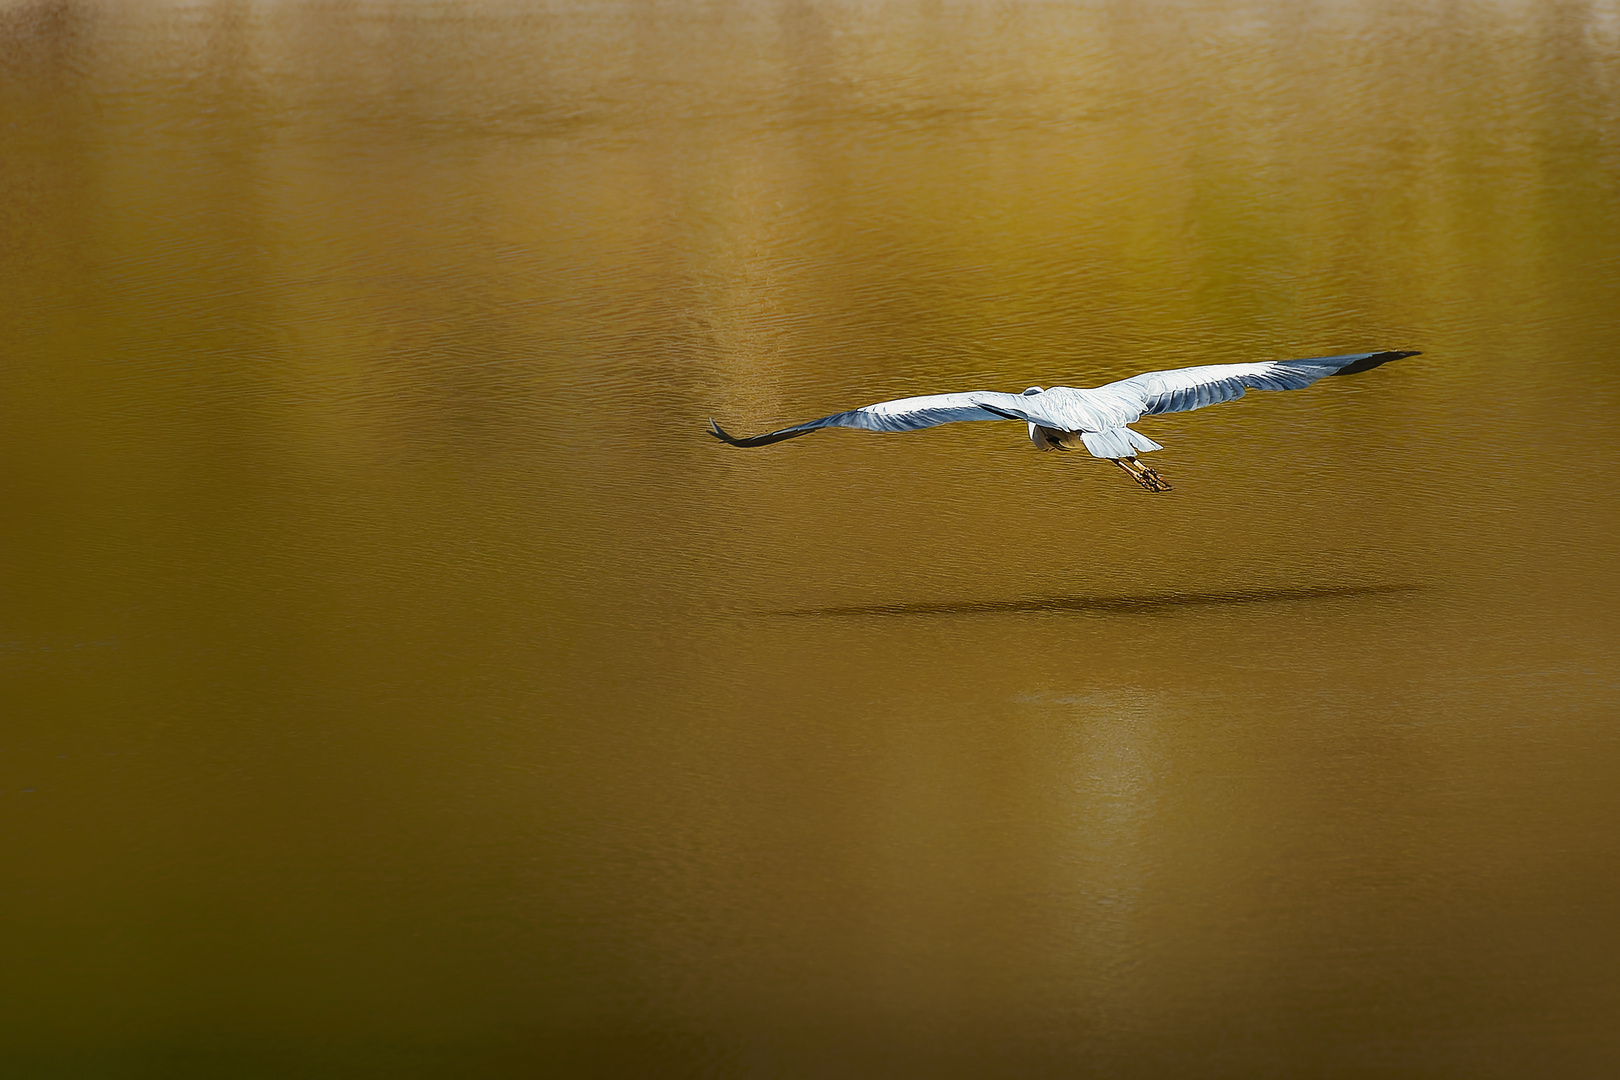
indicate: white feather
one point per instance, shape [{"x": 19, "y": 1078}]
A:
[{"x": 1099, "y": 415}]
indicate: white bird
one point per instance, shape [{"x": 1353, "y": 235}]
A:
[{"x": 1066, "y": 418}]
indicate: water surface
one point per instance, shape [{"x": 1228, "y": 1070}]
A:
[{"x": 399, "y": 682}]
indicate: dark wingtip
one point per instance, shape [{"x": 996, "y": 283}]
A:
[
  {"x": 758, "y": 440},
  {"x": 1367, "y": 363},
  {"x": 720, "y": 433}
]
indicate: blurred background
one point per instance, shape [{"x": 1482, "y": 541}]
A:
[{"x": 396, "y": 680}]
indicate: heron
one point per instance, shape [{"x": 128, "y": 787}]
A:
[{"x": 1096, "y": 419}]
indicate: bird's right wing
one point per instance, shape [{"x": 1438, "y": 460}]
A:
[
  {"x": 903, "y": 414},
  {"x": 1184, "y": 389}
]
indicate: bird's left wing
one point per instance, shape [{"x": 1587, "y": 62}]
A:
[
  {"x": 1184, "y": 389},
  {"x": 903, "y": 414}
]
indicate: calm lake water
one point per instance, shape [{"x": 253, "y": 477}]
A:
[{"x": 398, "y": 682}]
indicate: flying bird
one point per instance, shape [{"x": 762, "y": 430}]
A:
[{"x": 1067, "y": 418}]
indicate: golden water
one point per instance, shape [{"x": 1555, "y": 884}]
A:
[{"x": 398, "y": 682}]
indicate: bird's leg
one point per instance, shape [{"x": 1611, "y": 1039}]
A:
[
  {"x": 1141, "y": 474},
  {"x": 1135, "y": 474},
  {"x": 1159, "y": 482}
]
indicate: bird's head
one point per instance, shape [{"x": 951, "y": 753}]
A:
[{"x": 1032, "y": 390}]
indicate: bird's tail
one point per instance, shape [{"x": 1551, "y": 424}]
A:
[{"x": 1120, "y": 442}]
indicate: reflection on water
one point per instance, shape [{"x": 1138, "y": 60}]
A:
[
  {"x": 1148, "y": 603},
  {"x": 400, "y": 681}
]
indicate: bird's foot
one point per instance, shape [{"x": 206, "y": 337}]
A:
[
  {"x": 1142, "y": 474},
  {"x": 1151, "y": 480}
]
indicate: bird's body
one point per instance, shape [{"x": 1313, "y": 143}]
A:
[{"x": 1096, "y": 419}]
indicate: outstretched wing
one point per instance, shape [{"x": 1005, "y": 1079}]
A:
[
  {"x": 1192, "y": 388},
  {"x": 1105, "y": 408},
  {"x": 903, "y": 414}
]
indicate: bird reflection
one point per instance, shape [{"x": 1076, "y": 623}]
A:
[{"x": 1146, "y": 603}]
